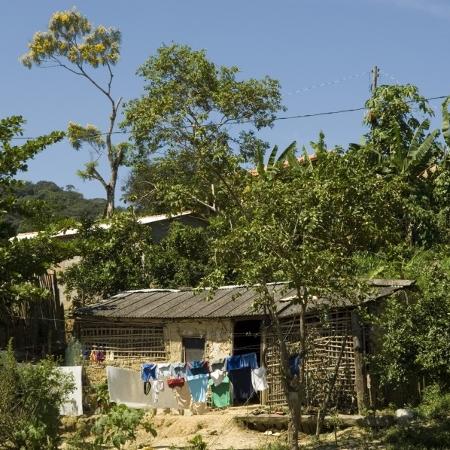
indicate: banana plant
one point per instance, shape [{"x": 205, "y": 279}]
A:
[
  {"x": 274, "y": 163},
  {"x": 418, "y": 156}
]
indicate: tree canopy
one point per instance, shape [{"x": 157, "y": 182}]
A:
[
  {"x": 201, "y": 120},
  {"x": 71, "y": 42}
]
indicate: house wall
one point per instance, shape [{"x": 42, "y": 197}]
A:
[{"x": 218, "y": 335}]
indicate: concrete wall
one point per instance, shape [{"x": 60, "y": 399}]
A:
[{"x": 218, "y": 335}]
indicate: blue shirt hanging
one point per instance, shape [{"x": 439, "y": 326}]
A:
[
  {"x": 148, "y": 372},
  {"x": 236, "y": 362},
  {"x": 197, "y": 367}
]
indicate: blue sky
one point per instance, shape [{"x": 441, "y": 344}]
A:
[{"x": 320, "y": 50}]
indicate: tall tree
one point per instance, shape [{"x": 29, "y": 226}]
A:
[
  {"x": 191, "y": 111},
  {"x": 72, "y": 43},
  {"x": 302, "y": 224}
]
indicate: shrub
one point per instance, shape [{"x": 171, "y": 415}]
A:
[
  {"x": 30, "y": 398},
  {"x": 435, "y": 404}
]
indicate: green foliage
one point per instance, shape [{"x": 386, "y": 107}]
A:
[
  {"x": 274, "y": 164},
  {"x": 418, "y": 436},
  {"x": 197, "y": 443},
  {"x": 124, "y": 257},
  {"x": 101, "y": 395},
  {"x": 390, "y": 116},
  {"x": 52, "y": 204},
  {"x": 13, "y": 159},
  {"x": 435, "y": 403},
  {"x": 118, "y": 426},
  {"x": 30, "y": 398},
  {"x": 20, "y": 261},
  {"x": 274, "y": 446},
  {"x": 415, "y": 326},
  {"x": 74, "y": 44},
  {"x": 20, "y": 264},
  {"x": 71, "y": 36},
  {"x": 115, "y": 428},
  {"x": 187, "y": 110}
]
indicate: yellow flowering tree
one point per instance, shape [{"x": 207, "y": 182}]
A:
[{"x": 73, "y": 43}]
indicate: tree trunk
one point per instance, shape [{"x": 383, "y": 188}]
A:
[
  {"x": 110, "y": 200},
  {"x": 291, "y": 388},
  {"x": 294, "y": 404}
]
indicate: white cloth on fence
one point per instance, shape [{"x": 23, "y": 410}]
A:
[
  {"x": 125, "y": 386},
  {"x": 73, "y": 403},
  {"x": 259, "y": 379}
]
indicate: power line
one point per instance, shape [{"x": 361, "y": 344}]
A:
[
  {"x": 327, "y": 83},
  {"x": 242, "y": 122}
]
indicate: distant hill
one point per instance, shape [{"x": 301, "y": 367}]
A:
[{"x": 54, "y": 204}]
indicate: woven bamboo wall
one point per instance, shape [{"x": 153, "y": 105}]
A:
[
  {"x": 133, "y": 342},
  {"x": 328, "y": 342}
]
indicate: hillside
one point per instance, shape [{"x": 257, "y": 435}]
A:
[{"x": 45, "y": 202}]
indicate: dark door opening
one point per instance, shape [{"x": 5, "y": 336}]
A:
[
  {"x": 193, "y": 349},
  {"x": 246, "y": 339}
]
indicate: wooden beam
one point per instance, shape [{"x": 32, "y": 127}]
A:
[{"x": 360, "y": 368}]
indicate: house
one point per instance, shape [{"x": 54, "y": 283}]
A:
[{"x": 171, "y": 325}]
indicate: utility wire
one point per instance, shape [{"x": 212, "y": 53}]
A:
[{"x": 242, "y": 122}]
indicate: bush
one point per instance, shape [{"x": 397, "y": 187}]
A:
[
  {"x": 113, "y": 429},
  {"x": 30, "y": 398},
  {"x": 435, "y": 404}
]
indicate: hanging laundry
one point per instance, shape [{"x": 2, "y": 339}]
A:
[
  {"x": 259, "y": 379},
  {"x": 183, "y": 396},
  {"x": 175, "y": 382},
  {"x": 73, "y": 401},
  {"x": 163, "y": 396},
  {"x": 163, "y": 370},
  {"x": 218, "y": 364},
  {"x": 242, "y": 384},
  {"x": 97, "y": 355},
  {"x": 198, "y": 385},
  {"x": 197, "y": 368},
  {"x": 240, "y": 361},
  {"x": 220, "y": 393},
  {"x": 178, "y": 370},
  {"x": 294, "y": 364},
  {"x": 148, "y": 372},
  {"x": 217, "y": 376}
]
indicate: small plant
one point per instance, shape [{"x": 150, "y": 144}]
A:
[
  {"x": 119, "y": 425},
  {"x": 274, "y": 446},
  {"x": 114, "y": 429},
  {"x": 197, "y": 443},
  {"x": 101, "y": 395}
]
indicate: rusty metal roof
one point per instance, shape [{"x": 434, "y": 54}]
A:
[{"x": 225, "y": 302}]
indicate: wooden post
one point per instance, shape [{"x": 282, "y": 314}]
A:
[
  {"x": 360, "y": 370},
  {"x": 375, "y": 74},
  {"x": 263, "y": 394}
]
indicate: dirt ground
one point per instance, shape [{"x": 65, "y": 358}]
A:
[{"x": 218, "y": 430}]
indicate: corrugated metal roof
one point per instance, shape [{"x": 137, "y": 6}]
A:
[{"x": 228, "y": 301}]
